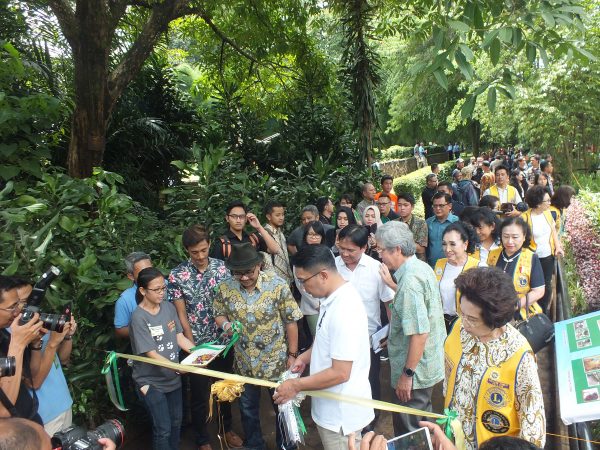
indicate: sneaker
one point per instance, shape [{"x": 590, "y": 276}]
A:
[{"x": 384, "y": 356}]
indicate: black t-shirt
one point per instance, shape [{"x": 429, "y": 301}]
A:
[
  {"x": 217, "y": 250},
  {"x": 427, "y": 197},
  {"x": 25, "y": 405}
]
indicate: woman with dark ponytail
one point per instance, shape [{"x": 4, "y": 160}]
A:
[
  {"x": 156, "y": 333},
  {"x": 458, "y": 241}
]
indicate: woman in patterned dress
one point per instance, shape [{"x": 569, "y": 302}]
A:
[{"x": 491, "y": 374}]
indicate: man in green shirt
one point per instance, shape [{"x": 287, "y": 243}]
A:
[{"x": 417, "y": 331}]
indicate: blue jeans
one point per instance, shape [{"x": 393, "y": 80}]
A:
[
  {"x": 166, "y": 412},
  {"x": 250, "y": 412}
]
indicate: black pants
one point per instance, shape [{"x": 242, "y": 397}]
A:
[
  {"x": 200, "y": 386},
  {"x": 548, "y": 269},
  {"x": 374, "y": 372}
]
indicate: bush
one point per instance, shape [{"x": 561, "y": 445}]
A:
[
  {"x": 414, "y": 182},
  {"x": 84, "y": 227},
  {"x": 400, "y": 152}
]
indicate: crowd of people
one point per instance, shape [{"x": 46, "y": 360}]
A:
[{"x": 450, "y": 286}]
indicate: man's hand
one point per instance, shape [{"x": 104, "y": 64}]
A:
[
  {"x": 386, "y": 276},
  {"x": 23, "y": 335},
  {"x": 404, "y": 388},
  {"x": 107, "y": 444},
  {"x": 290, "y": 362},
  {"x": 286, "y": 391},
  {"x": 57, "y": 338},
  {"x": 438, "y": 439},
  {"x": 298, "y": 366},
  {"x": 253, "y": 221},
  {"x": 369, "y": 441},
  {"x": 514, "y": 213}
]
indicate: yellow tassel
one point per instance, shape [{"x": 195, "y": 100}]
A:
[
  {"x": 224, "y": 391},
  {"x": 459, "y": 435}
]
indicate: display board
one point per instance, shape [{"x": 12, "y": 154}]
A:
[{"x": 578, "y": 363}]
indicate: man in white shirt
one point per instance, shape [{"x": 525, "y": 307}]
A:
[
  {"x": 363, "y": 272},
  {"x": 339, "y": 357},
  {"x": 505, "y": 192}
]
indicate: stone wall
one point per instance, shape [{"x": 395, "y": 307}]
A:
[{"x": 400, "y": 167}]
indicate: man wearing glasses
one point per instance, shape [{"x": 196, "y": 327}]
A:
[
  {"x": 24, "y": 344},
  {"x": 236, "y": 216},
  {"x": 384, "y": 203},
  {"x": 442, "y": 205},
  {"x": 339, "y": 358},
  {"x": 268, "y": 344}
]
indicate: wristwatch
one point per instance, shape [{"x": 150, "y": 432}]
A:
[
  {"x": 409, "y": 372},
  {"x": 293, "y": 354}
]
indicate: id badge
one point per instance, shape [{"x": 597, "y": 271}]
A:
[{"x": 156, "y": 331}]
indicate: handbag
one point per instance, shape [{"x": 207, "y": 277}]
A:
[{"x": 538, "y": 329}]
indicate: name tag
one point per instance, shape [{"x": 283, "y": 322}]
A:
[{"x": 156, "y": 331}]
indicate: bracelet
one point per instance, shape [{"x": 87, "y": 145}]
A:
[
  {"x": 68, "y": 337},
  {"x": 225, "y": 323},
  {"x": 36, "y": 348},
  {"x": 293, "y": 354}
]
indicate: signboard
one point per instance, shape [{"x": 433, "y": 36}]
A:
[{"x": 578, "y": 363}]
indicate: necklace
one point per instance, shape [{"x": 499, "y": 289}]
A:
[{"x": 508, "y": 260}]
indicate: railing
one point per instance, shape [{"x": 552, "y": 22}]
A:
[{"x": 563, "y": 311}]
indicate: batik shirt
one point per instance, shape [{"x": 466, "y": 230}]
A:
[
  {"x": 261, "y": 351},
  {"x": 198, "y": 290},
  {"x": 281, "y": 260},
  {"x": 476, "y": 358}
]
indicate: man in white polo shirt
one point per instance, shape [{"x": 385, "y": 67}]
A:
[
  {"x": 362, "y": 272},
  {"x": 339, "y": 357}
]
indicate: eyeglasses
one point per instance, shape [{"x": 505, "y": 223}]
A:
[
  {"x": 18, "y": 306},
  {"x": 314, "y": 235},
  {"x": 383, "y": 203},
  {"x": 301, "y": 281},
  {"x": 237, "y": 216},
  {"x": 159, "y": 290},
  {"x": 440, "y": 205},
  {"x": 243, "y": 273}
]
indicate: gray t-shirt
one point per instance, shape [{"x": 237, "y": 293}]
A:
[{"x": 159, "y": 333}]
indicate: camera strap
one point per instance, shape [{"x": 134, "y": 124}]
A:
[{"x": 10, "y": 407}]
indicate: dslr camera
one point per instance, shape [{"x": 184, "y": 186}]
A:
[
  {"x": 76, "y": 438},
  {"x": 8, "y": 366},
  {"x": 51, "y": 322}
]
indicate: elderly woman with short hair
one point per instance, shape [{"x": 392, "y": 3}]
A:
[{"x": 491, "y": 373}]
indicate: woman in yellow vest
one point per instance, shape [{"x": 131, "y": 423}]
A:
[
  {"x": 491, "y": 373},
  {"x": 544, "y": 238},
  {"x": 486, "y": 224},
  {"x": 458, "y": 241},
  {"x": 516, "y": 260},
  {"x": 560, "y": 201}
]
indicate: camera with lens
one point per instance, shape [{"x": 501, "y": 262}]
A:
[
  {"x": 51, "y": 322},
  {"x": 77, "y": 438},
  {"x": 8, "y": 366}
]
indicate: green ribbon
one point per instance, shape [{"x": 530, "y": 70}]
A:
[
  {"x": 299, "y": 420},
  {"x": 445, "y": 422},
  {"x": 236, "y": 327},
  {"x": 112, "y": 380}
]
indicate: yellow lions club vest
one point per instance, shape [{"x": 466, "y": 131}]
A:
[
  {"x": 495, "y": 410},
  {"x": 521, "y": 277},
  {"x": 440, "y": 267},
  {"x": 511, "y": 194},
  {"x": 526, "y": 216}
]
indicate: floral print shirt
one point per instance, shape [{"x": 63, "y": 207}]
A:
[
  {"x": 261, "y": 351},
  {"x": 477, "y": 357},
  {"x": 197, "y": 289}
]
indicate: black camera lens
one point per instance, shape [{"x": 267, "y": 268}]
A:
[
  {"x": 111, "y": 429},
  {"x": 53, "y": 322},
  {"x": 8, "y": 366}
]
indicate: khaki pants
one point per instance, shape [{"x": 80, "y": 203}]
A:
[
  {"x": 337, "y": 441},
  {"x": 60, "y": 422}
]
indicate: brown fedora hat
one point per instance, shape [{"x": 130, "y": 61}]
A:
[{"x": 243, "y": 257}]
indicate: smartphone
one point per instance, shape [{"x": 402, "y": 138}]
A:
[{"x": 415, "y": 440}]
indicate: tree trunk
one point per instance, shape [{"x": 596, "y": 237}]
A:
[
  {"x": 92, "y": 97},
  {"x": 475, "y": 136}
]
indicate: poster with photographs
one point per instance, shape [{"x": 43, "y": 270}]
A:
[{"x": 578, "y": 349}]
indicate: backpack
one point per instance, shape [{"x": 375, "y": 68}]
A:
[{"x": 226, "y": 248}]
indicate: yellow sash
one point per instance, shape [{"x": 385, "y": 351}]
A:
[
  {"x": 548, "y": 215},
  {"x": 440, "y": 268},
  {"x": 511, "y": 194}
]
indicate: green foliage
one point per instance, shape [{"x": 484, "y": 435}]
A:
[
  {"x": 400, "y": 152},
  {"x": 84, "y": 227},
  {"x": 28, "y": 119},
  {"x": 414, "y": 182}
]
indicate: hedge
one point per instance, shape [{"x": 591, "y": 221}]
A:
[
  {"x": 414, "y": 182},
  {"x": 401, "y": 152}
]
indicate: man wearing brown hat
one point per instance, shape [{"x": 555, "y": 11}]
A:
[{"x": 268, "y": 344}]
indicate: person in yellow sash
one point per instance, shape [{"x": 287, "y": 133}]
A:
[
  {"x": 560, "y": 201},
  {"x": 491, "y": 377},
  {"x": 519, "y": 262},
  {"x": 504, "y": 191},
  {"x": 544, "y": 238},
  {"x": 458, "y": 241},
  {"x": 487, "y": 226}
]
